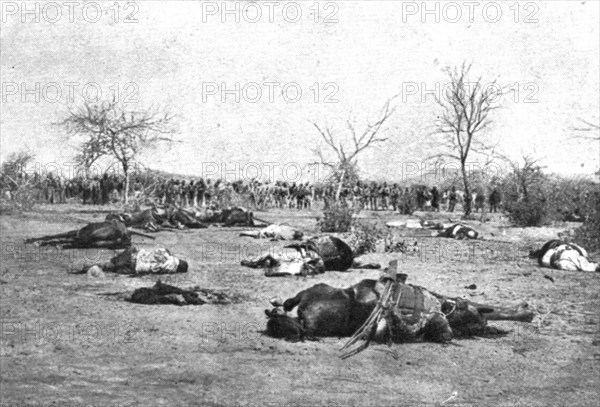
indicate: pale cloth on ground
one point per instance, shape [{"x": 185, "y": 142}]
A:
[
  {"x": 158, "y": 260},
  {"x": 276, "y": 232}
]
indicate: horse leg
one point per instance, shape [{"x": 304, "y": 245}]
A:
[
  {"x": 99, "y": 244},
  {"x": 70, "y": 234}
]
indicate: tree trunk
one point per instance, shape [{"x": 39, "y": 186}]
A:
[
  {"x": 467, "y": 199},
  {"x": 126, "y": 172},
  {"x": 524, "y": 184},
  {"x": 339, "y": 189}
]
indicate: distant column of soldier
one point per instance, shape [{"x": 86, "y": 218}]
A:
[{"x": 368, "y": 195}]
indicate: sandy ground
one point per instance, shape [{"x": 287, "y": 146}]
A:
[{"x": 72, "y": 340}]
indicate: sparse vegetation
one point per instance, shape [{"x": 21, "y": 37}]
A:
[
  {"x": 18, "y": 192},
  {"x": 365, "y": 237},
  {"x": 463, "y": 120},
  {"x": 108, "y": 129},
  {"x": 337, "y": 218},
  {"x": 533, "y": 198},
  {"x": 588, "y": 234}
]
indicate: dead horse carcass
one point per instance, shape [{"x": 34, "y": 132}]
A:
[
  {"x": 111, "y": 234},
  {"x": 419, "y": 314},
  {"x": 336, "y": 254}
]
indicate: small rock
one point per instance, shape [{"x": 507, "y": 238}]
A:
[
  {"x": 548, "y": 277},
  {"x": 471, "y": 287}
]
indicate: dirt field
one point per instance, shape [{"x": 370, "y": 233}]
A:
[{"x": 72, "y": 339}]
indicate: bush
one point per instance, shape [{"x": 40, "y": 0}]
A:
[
  {"x": 549, "y": 199},
  {"x": 22, "y": 200},
  {"x": 588, "y": 234},
  {"x": 373, "y": 237},
  {"x": 365, "y": 237},
  {"x": 571, "y": 198},
  {"x": 530, "y": 212},
  {"x": 337, "y": 218}
]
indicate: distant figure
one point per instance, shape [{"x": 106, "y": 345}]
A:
[
  {"x": 426, "y": 199},
  {"x": 420, "y": 195},
  {"x": 384, "y": 192},
  {"x": 407, "y": 202},
  {"x": 395, "y": 197},
  {"x": 184, "y": 194},
  {"x": 452, "y": 198},
  {"x": 479, "y": 201},
  {"x": 435, "y": 199},
  {"x": 495, "y": 200},
  {"x": 105, "y": 189}
]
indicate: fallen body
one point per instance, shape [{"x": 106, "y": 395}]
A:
[
  {"x": 419, "y": 314},
  {"x": 459, "y": 232},
  {"x": 275, "y": 232},
  {"x": 162, "y": 293},
  {"x": 143, "y": 261},
  {"x": 561, "y": 255},
  {"x": 291, "y": 261},
  {"x": 315, "y": 256}
]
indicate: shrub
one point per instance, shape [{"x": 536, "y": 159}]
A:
[
  {"x": 22, "y": 200},
  {"x": 375, "y": 236},
  {"x": 337, "y": 218},
  {"x": 588, "y": 234},
  {"x": 532, "y": 211},
  {"x": 365, "y": 237},
  {"x": 570, "y": 198},
  {"x": 549, "y": 199}
]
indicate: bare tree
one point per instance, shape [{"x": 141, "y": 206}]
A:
[
  {"x": 465, "y": 116},
  {"x": 583, "y": 133},
  {"x": 526, "y": 175},
  {"x": 109, "y": 130},
  {"x": 13, "y": 171},
  {"x": 346, "y": 149},
  {"x": 587, "y": 128},
  {"x": 15, "y": 181}
]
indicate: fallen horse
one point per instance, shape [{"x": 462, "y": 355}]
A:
[
  {"x": 174, "y": 217},
  {"x": 162, "y": 293},
  {"x": 111, "y": 234},
  {"x": 384, "y": 310},
  {"x": 157, "y": 218},
  {"x": 561, "y": 255},
  {"x": 234, "y": 216}
]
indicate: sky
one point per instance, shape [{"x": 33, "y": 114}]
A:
[{"x": 346, "y": 58}]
